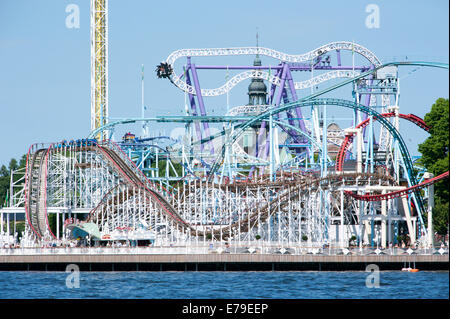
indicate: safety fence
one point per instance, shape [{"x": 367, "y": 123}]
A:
[{"x": 220, "y": 249}]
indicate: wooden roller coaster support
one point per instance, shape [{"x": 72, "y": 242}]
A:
[
  {"x": 393, "y": 112},
  {"x": 402, "y": 192},
  {"x": 132, "y": 176},
  {"x": 410, "y": 221}
]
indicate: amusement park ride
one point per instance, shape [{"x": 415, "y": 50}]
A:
[{"x": 278, "y": 170}]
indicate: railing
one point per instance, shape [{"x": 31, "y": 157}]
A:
[{"x": 219, "y": 249}]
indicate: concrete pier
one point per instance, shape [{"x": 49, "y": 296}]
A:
[{"x": 220, "y": 262}]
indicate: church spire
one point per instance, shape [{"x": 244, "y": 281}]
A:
[
  {"x": 257, "y": 43},
  {"x": 257, "y": 61},
  {"x": 257, "y": 90}
]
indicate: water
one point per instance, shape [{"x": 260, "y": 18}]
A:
[{"x": 225, "y": 285}]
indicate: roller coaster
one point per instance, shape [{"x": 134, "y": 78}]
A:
[{"x": 272, "y": 171}]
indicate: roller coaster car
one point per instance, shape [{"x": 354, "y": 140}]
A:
[
  {"x": 128, "y": 137},
  {"x": 164, "y": 70},
  {"x": 61, "y": 144}
]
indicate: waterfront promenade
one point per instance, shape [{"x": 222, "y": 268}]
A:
[{"x": 210, "y": 258}]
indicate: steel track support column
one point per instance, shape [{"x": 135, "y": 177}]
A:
[
  {"x": 389, "y": 223},
  {"x": 282, "y": 85},
  {"x": 288, "y": 113},
  {"x": 201, "y": 103},
  {"x": 367, "y": 100},
  {"x": 192, "y": 102},
  {"x": 341, "y": 232},
  {"x": 356, "y": 117},
  {"x": 324, "y": 172},
  {"x": 277, "y": 103},
  {"x": 411, "y": 230},
  {"x": 430, "y": 212},
  {"x": 370, "y": 159},
  {"x": 272, "y": 155},
  {"x": 326, "y": 222},
  {"x": 383, "y": 221},
  {"x": 298, "y": 111},
  {"x": 359, "y": 144},
  {"x": 57, "y": 225}
]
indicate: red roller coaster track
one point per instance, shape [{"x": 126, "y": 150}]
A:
[
  {"x": 379, "y": 197},
  {"x": 349, "y": 138}
]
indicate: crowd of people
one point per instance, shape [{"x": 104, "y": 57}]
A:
[{"x": 73, "y": 243}]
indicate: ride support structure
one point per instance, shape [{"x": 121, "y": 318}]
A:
[{"x": 277, "y": 172}]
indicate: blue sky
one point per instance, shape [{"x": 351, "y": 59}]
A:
[{"x": 45, "y": 67}]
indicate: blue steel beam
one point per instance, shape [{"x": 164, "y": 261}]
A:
[
  {"x": 331, "y": 88},
  {"x": 332, "y": 102}
]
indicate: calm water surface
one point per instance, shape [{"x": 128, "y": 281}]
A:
[{"x": 174, "y": 285}]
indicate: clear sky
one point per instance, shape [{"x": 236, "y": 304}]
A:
[{"x": 45, "y": 66}]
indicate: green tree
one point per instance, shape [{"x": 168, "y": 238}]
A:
[
  {"x": 12, "y": 164},
  {"x": 4, "y": 184},
  {"x": 4, "y": 171},
  {"x": 5, "y": 176},
  {"x": 23, "y": 160},
  {"x": 440, "y": 216},
  {"x": 435, "y": 158}
]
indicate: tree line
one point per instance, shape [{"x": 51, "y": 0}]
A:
[
  {"x": 435, "y": 158},
  {"x": 5, "y": 178}
]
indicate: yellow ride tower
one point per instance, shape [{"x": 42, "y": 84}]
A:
[{"x": 99, "y": 66}]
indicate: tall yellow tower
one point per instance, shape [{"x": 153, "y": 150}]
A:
[{"x": 99, "y": 65}]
